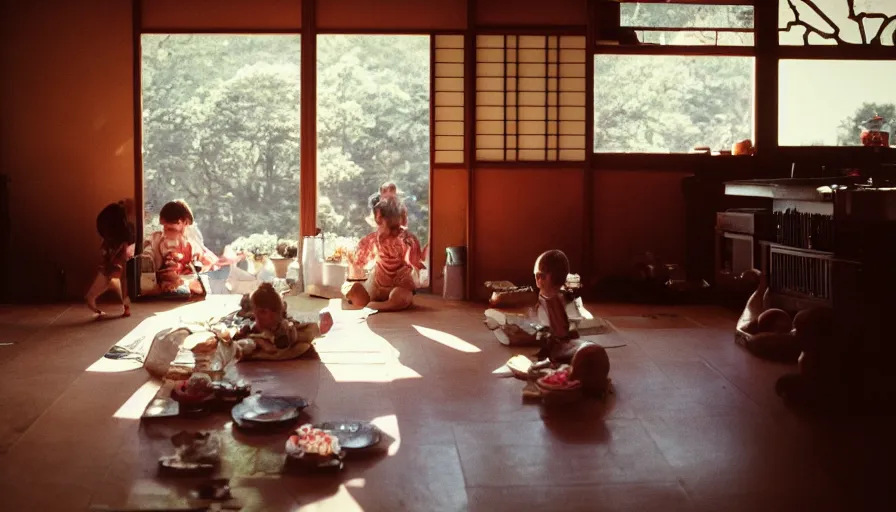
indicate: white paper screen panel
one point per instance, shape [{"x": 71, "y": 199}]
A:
[
  {"x": 448, "y": 88},
  {"x": 530, "y": 98}
]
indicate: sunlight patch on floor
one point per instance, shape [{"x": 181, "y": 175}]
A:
[
  {"x": 447, "y": 339},
  {"x": 133, "y": 407},
  {"x": 343, "y": 501},
  {"x": 389, "y": 425}
]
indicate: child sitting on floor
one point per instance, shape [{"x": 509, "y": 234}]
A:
[
  {"x": 556, "y": 305},
  {"x": 115, "y": 226},
  {"x": 273, "y": 335},
  {"x": 176, "y": 248}
]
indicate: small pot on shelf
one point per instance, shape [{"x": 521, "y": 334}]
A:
[
  {"x": 334, "y": 273},
  {"x": 281, "y": 265}
]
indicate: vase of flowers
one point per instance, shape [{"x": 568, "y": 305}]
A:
[
  {"x": 336, "y": 263},
  {"x": 287, "y": 252},
  {"x": 261, "y": 246}
]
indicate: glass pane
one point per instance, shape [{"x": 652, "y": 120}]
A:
[
  {"x": 823, "y": 102},
  {"x": 671, "y": 104},
  {"x": 221, "y": 131},
  {"x": 373, "y": 115},
  {"x": 695, "y": 38},
  {"x": 686, "y": 15},
  {"x": 872, "y": 22}
]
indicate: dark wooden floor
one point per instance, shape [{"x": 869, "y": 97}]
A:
[{"x": 694, "y": 425}]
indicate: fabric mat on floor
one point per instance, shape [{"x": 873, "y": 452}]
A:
[
  {"x": 655, "y": 321},
  {"x": 131, "y": 351}
]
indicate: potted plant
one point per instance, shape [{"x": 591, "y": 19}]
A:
[
  {"x": 336, "y": 263},
  {"x": 260, "y": 245},
  {"x": 287, "y": 252}
]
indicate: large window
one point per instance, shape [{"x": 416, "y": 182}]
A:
[
  {"x": 649, "y": 100},
  {"x": 824, "y": 102},
  {"x": 221, "y": 131},
  {"x": 373, "y": 126}
]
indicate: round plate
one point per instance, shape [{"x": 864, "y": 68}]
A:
[
  {"x": 352, "y": 435},
  {"x": 267, "y": 411}
]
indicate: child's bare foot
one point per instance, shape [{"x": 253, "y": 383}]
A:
[
  {"x": 98, "y": 313},
  {"x": 127, "y": 311},
  {"x": 326, "y": 321}
]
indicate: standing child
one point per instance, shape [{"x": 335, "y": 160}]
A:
[{"x": 115, "y": 226}]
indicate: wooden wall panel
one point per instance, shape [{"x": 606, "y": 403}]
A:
[
  {"x": 390, "y": 15},
  {"x": 635, "y": 212},
  {"x": 449, "y": 218},
  {"x": 222, "y": 15},
  {"x": 68, "y": 135},
  {"x": 532, "y": 12},
  {"x": 512, "y": 225}
]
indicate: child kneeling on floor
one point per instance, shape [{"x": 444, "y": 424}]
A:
[
  {"x": 274, "y": 335},
  {"x": 589, "y": 362}
]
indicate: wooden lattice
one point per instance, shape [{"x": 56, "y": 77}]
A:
[{"x": 834, "y": 34}]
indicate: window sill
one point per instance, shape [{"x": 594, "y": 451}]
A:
[{"x": 671, "y": 162}]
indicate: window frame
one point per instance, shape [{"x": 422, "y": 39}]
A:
[
  {"x": 771, "y": 159},
  {"x": 673, "y": 161},
  {"x": 823, "y": 154}
]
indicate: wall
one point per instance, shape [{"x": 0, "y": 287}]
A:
[
  {"x": 67, "y": 134},
  {"x": 448, "y": 193},
  {"x": 520, "y": 213},
  {"x": 636, "y": 212}
]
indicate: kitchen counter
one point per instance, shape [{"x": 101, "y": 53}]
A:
[{"x": 790, "y": 189}]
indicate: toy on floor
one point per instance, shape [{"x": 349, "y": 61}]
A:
[
  {"x": 116, "y": 228},
  {"x": 195, "y": 453},
  {"x": 397, "y": 256},
  {"x": 312, "y": 448},
  {"x": 766, "y": 332}
]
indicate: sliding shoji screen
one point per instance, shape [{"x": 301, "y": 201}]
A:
[
  {"x": 530, "y": 98},
  {"x": 448, "y": 87}
]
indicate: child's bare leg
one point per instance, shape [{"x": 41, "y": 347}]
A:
[
  {"x": 754, "y": 306},
  {"x": 120, "y": 285},
  {"x": 399, "y": 298},
  {"x": 356, "y": 294},
  {"x": 99, "y": 286}
]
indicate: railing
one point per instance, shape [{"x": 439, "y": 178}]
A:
[{"x": 802, "y": 273}]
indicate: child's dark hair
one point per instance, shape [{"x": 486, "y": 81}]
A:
[
  {"x": 113, "y": 224},
  {"x": 267, "y": 297},
  {"x": 555, "y": 264},
  {"x": 175, "y": 211}
]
